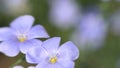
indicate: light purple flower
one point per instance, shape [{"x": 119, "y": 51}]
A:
[
  {"x": 31, "y": 67},
  {"x": 63, "y": 13},
  {"x": 91, "y": 32},
  {"x": 50, "y": 55},
  {"x": 18, "y": 66},
  {"x": 20, "y": 36}
]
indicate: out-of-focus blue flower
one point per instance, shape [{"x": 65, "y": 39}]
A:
[
  {"x": 91, "y": 32},
  {"x": 31, "y": 67},
  {"x": 63, "y": 13},
  {"x": 20, "y": 36},
  {"x": 50, "y": 55},
  {"x": 18, "y": 67}
]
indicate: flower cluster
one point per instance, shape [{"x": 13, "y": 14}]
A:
[{"x": 22, "y": 37}]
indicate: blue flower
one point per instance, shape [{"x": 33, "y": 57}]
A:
[
  {"x": 20, "y": 36},
  {"x": 50, "y": 55},
  {"x": 18, "y": 67},
  {"x": 91, "y": 32},
  {"x": 63, "y": 14}
]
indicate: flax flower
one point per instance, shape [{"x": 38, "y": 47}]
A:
[
  {"x": 50, "y": 55},
  {"x": 20, "y": 36}
]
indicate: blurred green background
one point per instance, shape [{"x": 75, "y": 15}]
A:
[{"x": 106, "y": 57}]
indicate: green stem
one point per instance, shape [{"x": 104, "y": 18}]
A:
[{"x": 17, "y": 62}]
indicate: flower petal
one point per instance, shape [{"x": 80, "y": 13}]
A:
[
  {"x": 31, "y": 67},
  {"x": 65, "y": 64},
  {"x": 22, "y": 23},
  {"x": 60, "y": 64},
  {"x": 18, "y": 67},
  {"x": 44, "y": 65},
  {"x": 6, "y": 34},
  {"x": 25, "y": 46},
  {"x": 38, "y": 31},
  {"x": 68, "y": 51},
  {"x": 36, "y": 54},
  {"x": 52, "y": 44},
  {"x": 56, "y": 65},
  {"x": 9, "y": 48}
]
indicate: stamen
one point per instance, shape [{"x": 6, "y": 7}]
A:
[
  {"x": 53, "y": 60},
  {"x": 21, "y": 37}
]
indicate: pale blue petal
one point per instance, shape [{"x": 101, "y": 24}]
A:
[
  {"x": 52, "y": 44},
  {"x": 56, "y": 65},
  {"x": 25, "y": 46},
  {"x": 60, "y": 64},
  {"x": 36, "y": 55},
  {"x": 9, "y": 48},
  {"x": 64, "y": 64},
  {"x": 37, "y": 31},
  {"x": 68, "y": 51},
  {"x": 22, "y": 23},
  {"x": 18, "y": 67},
  {"x": 6, "y": 34},
  {"x": 44, "y": 64}
]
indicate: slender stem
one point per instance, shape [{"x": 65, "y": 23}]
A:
[{"x": 17, "y": 62}]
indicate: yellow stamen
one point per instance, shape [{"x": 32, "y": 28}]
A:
[
  {"x": 22, "y": 38},
  {"x": 53, "y": 60}
]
